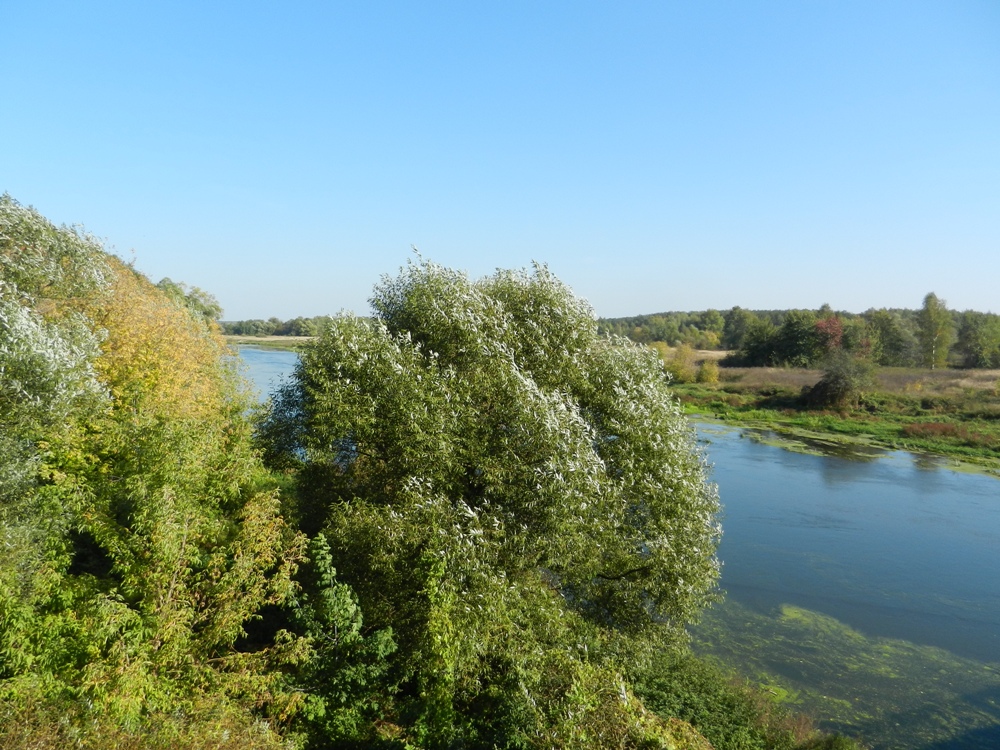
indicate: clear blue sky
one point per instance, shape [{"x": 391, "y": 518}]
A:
[{"x": 657, "y": 155}]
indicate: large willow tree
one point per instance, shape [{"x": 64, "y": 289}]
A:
[{"x": 519, "y": 499}]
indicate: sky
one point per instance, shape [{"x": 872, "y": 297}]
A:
[{"x": 655, "y": 155}]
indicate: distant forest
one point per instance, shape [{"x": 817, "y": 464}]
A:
[
  {"x": 275, "y": 327},
  {"x": 931, "y": 336}
]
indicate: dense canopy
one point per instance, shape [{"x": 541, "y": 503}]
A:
[
  {"x": 138, "y": 531},
  {"x": 514, "y": 494}
]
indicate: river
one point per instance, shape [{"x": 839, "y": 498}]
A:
[{"x": 863, "y": 590}]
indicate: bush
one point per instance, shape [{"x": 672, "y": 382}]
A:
[
  {"x": 474, "y": 453},
  {"x": 681, "y": 365},
  {"x": 729, "y": 713},
  {"x": 845, "y": 379},
  {"x": 708, "y": 372},
  {"x": 140, "y": 534}
]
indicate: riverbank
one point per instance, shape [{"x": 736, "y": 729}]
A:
[
  {"x": 949, "y": 413},
  {"x": 282, "y": 343}
]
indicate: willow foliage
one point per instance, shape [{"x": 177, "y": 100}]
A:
[{"x": 519, "y": 498}]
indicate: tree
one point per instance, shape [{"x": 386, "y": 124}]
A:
[
  {"x": 891, "y": 343},
  {"x": 830, "y": 333},
  {"x": 797, "y": 342},
  {"x": 978, "y": 342},
  {"x": 759, "y": 346},
  {"x": 45, "y": 351},
  {"x": 197, "y": 300},
  {"x": 520, "y": 499},
  {"x": 712, "y": 321},
  {"x": 737, "y": 322},
  {"x": 681, "y": 364},
  {"x": 856, "y": 337},
  {"x": 935, "y": 331}
]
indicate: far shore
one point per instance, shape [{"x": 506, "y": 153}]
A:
[{"x": 286, "y": 343}]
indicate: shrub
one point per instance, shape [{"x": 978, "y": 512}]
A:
[
  {"x": 681, "y": 365},
  {"x": 729, "y": 713},
  {"x": 517, "y": 497},
  {"x": 845, "y": 379},
  {"x": 708, "y": 372}
]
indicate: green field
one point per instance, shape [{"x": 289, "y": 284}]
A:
[
  {"x": 284, "y": 343},
  {"x": 953, "y": 413}
]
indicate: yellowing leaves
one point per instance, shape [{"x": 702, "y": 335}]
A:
[{"x": 157, "y": 357}]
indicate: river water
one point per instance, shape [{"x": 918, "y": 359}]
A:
[
  {"x": 267, "y": 368},
  {"x": 892, "y": 545},
  {"x": 863, "y": 590}
]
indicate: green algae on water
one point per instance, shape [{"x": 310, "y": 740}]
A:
[{"x": 891, "y": 694}]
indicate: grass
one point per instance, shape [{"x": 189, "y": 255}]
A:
[
  {"x": 953, "y": 413},
  {"x": 283, "y": 343}
]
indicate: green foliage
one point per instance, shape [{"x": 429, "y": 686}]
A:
[
  {"x": 344, "y": 674},
  {"x": 730, "y": 714},
  {"x": 712, "y": 320},
  {"x": 708, "y": 372},
  {"x": 978, "y": 343},
  {"x": 700, "y": 330},
  {"x": 760, "y": 344},
  {"x": 800, "y": 338},
  {"x": 46, "y": 348},
  {"x": 797, "y": 343},
  {"x": 892, "y": 343},
  {"x": 44, "y": 266},
  {"x": 139, "y": 535},
  {"x": 198, "y": 301},
  {"x": 737, "y": 322},
  {"x": 846, "y": 378},
  {"x": 499, "y": 484},
  {"x": 274, "y": 327},
  {"x": 681, "y": 365},
  {"x": 935, "y": 331},
  {"x": 45, "y": 375}
]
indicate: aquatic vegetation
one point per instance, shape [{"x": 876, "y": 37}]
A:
[{"x": 889, "y": 693}]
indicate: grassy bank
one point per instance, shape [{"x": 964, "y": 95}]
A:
[
  {"x": 284, "y": 343},
  {"x": 953, "y": 413}
]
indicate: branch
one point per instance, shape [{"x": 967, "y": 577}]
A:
[{"x": 620, "y": 576}]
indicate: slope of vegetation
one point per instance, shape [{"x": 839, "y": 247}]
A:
[
  {"x": 469, "y": 521},
  {"x": 140, "y": 530}
]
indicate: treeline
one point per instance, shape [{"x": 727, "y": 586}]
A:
[
  {"x": 932, "y": 336},
  {"x": 458, "y": 525},
  {"x": 699, "y": 330},
  {"x": 275, "y": 327}
]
